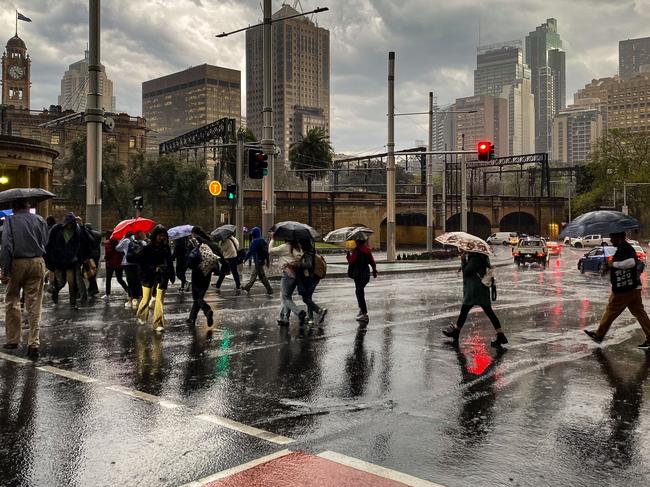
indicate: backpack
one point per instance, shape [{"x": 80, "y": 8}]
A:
[
  {"x": 194, "y": 258},
  {"x": 320, "y": 266},
  {"x": 134, "y": 254}
]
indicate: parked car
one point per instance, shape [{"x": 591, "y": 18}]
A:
[
  {"x": 503, "y": 238},
  {"x": 554, "y": 248},
  {"x": 569, "y": 241},
  {"x": 530, "y": 250},
  {"x": 640, "y": 253},
  {"x": 591, "y": 241},
  {"x": 596, "y": 260}
]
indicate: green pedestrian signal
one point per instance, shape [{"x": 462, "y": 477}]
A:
[{"x": 231, "y": 191}]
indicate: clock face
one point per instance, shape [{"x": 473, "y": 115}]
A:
[{"x": 16, "y": 72}]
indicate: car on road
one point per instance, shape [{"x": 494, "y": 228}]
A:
[
  {"x": 554, "y": 248},
  {"x": 640, "y": 253},
  {"x": 591, "y": 241},
  {"x": 503, "y": 238},
  {"x": 530, "y": 250},
  {"x": 597, "y": 260}
]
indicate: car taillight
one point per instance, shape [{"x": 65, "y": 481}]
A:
[
  {"x": 516, "y": 254},
  {"x": 610, "y": 258},
  {"x": 540, "y": 254}
]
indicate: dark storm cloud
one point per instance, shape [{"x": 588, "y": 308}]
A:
[{"x": 435, "y": 42}]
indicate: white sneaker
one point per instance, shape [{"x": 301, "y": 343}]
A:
[
  {"x": 135, "y": 303},
  {"x": 141, "y": 322},
  {"x": 152, "y": 301},
  {"x": 128, "y": 304},
  {"x": 159, "y": 329},
  {"x": 106, "y": 297},
  {"x": 363, "y": 319}
]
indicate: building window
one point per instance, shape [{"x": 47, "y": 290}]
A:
[
  {"x": 131, "y": 142},
  {"x": 55, "y": 140}
]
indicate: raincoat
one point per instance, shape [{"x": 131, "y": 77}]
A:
[{"x": 475, "y": 293}]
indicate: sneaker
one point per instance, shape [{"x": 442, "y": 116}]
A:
[
  {"x": 127, "y": 304},
  {"x": 283, "y": 323},
  {"x": 135, "y": 303},
  {"x": 500, "y": 340},
  {"x": 310, "y": 322},
  {"x": 322, "y": 316},
  {"x": 302, "y": 316},
  {"x": 152, "y": 301},
  {"x": 210, "y": 318},
  {"x": 593, "y": 336},
  {"x": 363, "y": 318},
  {"x": 141, "y": 322},
  {"x": 106, "y": 297},
  {"x": 32, "y": 352},
  {"x": 238, "y": 292},
  {"x": 452, "y": 332},
  {"x": 190, "y": 322},
  {"x": 159, "y": 329},
  {"x": 359, "y": 315},
  {"x": 645, "y": 345}
]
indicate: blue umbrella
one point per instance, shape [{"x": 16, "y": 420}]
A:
[
  {"x": 180, "y": 231},
  {"x": 600, "y": 222}
]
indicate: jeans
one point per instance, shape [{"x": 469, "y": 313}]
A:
[
  {"x": 118, "y": 277},
  {"x": 360, "y": 283},
  {"x": 306, "y": 289},
  {"x": 258, "y": 272},
  {"x": 617, "y": 304},
  {"x": 229, "y": 265},
  {"x": 464, "y": 311},
  {"x": 288, "y": 285},
  {"x": 63, "y": 276},
  {"x": 133, "y": 280},
  {"x": 200, "y": 285}
]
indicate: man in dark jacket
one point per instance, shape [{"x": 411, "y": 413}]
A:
[
  {"x": 626, "y": 291},
  {"x": 63, "y": 255},
  {"x": 259, "y": 253}
]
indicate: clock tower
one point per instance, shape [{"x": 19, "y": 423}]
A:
[{"x": 15, "y": 74}]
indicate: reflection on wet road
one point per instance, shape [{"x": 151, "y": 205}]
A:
[{"x": 111, "y": 403}]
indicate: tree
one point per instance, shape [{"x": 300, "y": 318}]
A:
[{"x": 312, "y": 152}]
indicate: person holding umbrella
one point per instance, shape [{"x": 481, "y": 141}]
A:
[
  {"x": 259, "y": 253},
  {"x": 289, "y": 254},
  {"x": 626, "y": 291},
  {"x": 24, "y": 238},
  {"x": 156, "y": 270},
  {"x": 475, "y": 265}
]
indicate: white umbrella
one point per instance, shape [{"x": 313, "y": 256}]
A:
[{"x": 466, "y": 242}]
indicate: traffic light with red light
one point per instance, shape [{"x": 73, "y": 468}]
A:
[
  {"x": 485, "y": 150},
  {"x": 257, "y": 164}
]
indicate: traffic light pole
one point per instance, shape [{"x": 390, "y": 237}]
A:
[
  {"x": 239, "y": 209},
  {"x": 391, "y": 249},
  {"x": 430, "y": 178},
  {"x": 268, "y": 143},
  {"x": 463, "y": 190}
]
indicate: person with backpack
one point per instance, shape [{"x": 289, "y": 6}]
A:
[
  {"x": 360, "y": 260},
  {"x": 289, "y": 254},
  {"x": 229, "y": 248},
  {"x": 475, "y": 267},
  {"x": 113, "y": 259},
  {"x": 131, "y": 246},
  {"x": 202, "y": 260},
  {"x": 626, "y": 290},
  {"x": 259, "y": 253},
  {"x": 156, "y": 271},
  {"x": 307, "y": 279}
]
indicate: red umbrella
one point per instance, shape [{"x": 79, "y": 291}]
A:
[{"x": 132, "y": 225}]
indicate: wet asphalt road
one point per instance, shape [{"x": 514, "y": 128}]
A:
[{"x": 554, "y": 409}]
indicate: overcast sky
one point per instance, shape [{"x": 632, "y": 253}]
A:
[{"x": 435, "y": 43}]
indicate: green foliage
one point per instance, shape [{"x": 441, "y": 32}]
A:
[
  {"x": 313, "y": 151},
  {"x": 619, "y": 156},
  {"x": 74, "y": 167}
]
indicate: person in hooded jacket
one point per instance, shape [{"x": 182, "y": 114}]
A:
[
  {"x": 474, "y": 266},
  {"x": 201, "y": 276},
  {"x": 113, "y": 259},
  {"x": 307, "y": 281},
  {"x": 360, "y": 261},
  {"x": 156, "y": 271},
  {"x": 63, "y": 255},
  {"x": 259, "y": 253}
]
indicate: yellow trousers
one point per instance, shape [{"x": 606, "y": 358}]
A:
[
  {"x": 617, "y": 304},
  {"x": 158, "y": 310}
]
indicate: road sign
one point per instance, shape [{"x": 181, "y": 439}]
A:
[
  {"x": 215, "y": 188},
  {"x": 624, "y": 210}
]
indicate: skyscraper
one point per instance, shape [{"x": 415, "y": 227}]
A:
[
  {"x": 500, "y": 71},
  {"x": 301, "y": 79},
  {"x": 178, "y": 102},
  {"x": 483, "y": 117},
  {"x": 575, "y": 131},
  {"x": 547, "y": 64},
  {"x": 74, "y": 88},
  {"x": 633, "y": 54}
]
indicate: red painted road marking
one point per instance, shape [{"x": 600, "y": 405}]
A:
[{"x": 302, "y": 470}]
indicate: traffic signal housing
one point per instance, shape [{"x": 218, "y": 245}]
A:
[
  {"x": 485, "y": 150},
  {"x": 231, "y": 191},
  {"x": 257, "y": 164}
]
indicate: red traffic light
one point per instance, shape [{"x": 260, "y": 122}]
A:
[{"x": 485, "y": 150}]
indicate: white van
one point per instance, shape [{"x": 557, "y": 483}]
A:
[{"x": 503, "y": 238}]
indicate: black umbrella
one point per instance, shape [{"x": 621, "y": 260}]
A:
[
  {"x": 293, "y": 231},
  {"x": 35, "y": 195},
  {"x": 600, "y": 222},
  {"x": 223, "y": 232}
]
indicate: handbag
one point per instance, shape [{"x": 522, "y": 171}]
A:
[
  {"x": 208, "y": 259},
  {"x": 89, "y": 269}
]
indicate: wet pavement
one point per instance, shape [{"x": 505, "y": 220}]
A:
[{"x": 112, "y": 403}]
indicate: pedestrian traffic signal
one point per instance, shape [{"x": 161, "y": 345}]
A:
[
  {"x": 257, "y": 164},
  {"x": 138, "y": 202},
  {"x": 231, "y": 191},
  {"x": 485, "y": 150}
]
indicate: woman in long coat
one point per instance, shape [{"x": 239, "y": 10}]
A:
[{"x": 474, "y": 266}]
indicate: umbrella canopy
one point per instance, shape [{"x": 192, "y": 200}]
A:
[
  {"x": 35, "y": 195},
  {"x": 465, "y": 241},
  {"x": 180, "y": 231},
  {"x": 132, "y": 225},
  {"x": 293, "y": 231},
  {"x": 223, "y": 232},
  {"x": 600, "y": 222},
  {"x": 348, "y": 233}
]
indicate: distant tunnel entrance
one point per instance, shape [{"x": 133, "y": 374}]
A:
[{"x": 477, "y": 224}]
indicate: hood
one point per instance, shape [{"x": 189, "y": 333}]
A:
[
  {"x": 69, "y": 218},
  {"x": 256, "y": 232},
  {"x": 158, "y": 229}
]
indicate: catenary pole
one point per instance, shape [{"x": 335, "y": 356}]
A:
[
  {"x": 463, "y": 190},
  {"x": 268, "y": 143},
  {"x": 94, "y": 118},
  {"x": 239, "y": 209},
  {"x": 430, "y": 178},
  {"x": 390, "y": 164}
]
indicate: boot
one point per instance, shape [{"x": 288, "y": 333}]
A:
[
  {"x": 500, "y": 340},
  {"x": 452, "y": 332}
]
